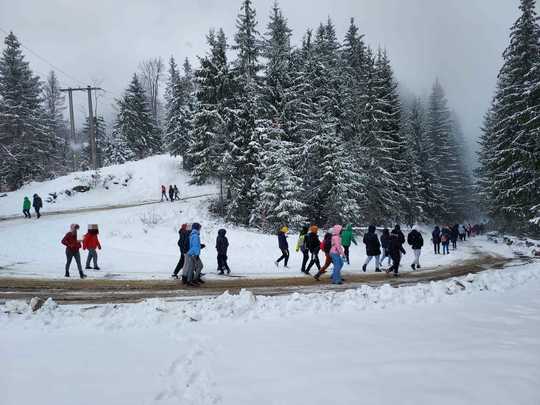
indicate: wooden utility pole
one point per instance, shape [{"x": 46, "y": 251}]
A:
[
  {"x": 92, "y": 134},
  {"x": 72, "y": 126}
]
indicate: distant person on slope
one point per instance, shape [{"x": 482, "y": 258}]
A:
[
  {"x": 415, "y": 240},
  {"x": 183, "y": 245},
  {"x": 91, "y": 242},
  {"x": 283, "y": 246},
  {"x": 37, "y": 204},
  {"x": 222, "y": 245},
  {"x": 176, "y": 193},
  {"x": 26, "y": 207},
  {"x": 313, "y": 245},
  {"x": 171, "y": 193},
  {"x": 164, "y": 193},
  {"x": 73, "y": 245},
  {"x": 336, "y": 253},
  {"x": 194, "y": 264},
  {"x": 301, "y": 246},
  {"x": 373, "y": 248},
  {"x": 385, "y": 246},
  {"x": 436, "y": 239},
  {"x": 326, "y": 245},
  {"x": 347, "y": 237}
]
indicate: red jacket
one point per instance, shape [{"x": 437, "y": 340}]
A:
[
  {"x": 71, "y": 242},
  {"x": 90, "y": 241}
]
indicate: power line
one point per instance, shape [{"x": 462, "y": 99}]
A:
[{"x": 75, "y": 80}]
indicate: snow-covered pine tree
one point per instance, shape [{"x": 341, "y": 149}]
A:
[
  {"x": 101, "y": 136},
  {"x": 510, "y": 146},
  {"x": 27, "y": 142},
  {"x": 115, "y": 149},
  {"x": 135, "y": 124}
]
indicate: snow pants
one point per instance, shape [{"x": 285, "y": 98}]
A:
[
  {"x": 222, "y": 263},
  {"x": 92, "y": 255},
  {"x": 346, "y": 250},
  {"x": 314, "y": 261},
  {"x": 192, "y": 270},
  {"x": 180, "y": 264},
  {"x": 396, "y": 259},
  {"x": 27, "y": 213},
  {"x": 37, "y": 212},
  {"x": 437, "y": 247},
  {"x": 305, "y": 259},
  {"x": 338, "y": 264},
  {"x": 417, "y": 257},
  {"x": 70, "y": 255},
  {"x": 284, "y": 256}
]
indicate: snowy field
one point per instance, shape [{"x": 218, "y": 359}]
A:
[
  {"x": 472, "y": 342},
  {"x": 141, "y": 242}
]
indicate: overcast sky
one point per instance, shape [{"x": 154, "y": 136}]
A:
[{"x": 103, "y": 41}]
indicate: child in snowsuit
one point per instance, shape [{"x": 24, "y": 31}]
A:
[
  {"x": 300, "y": 246},
  {"x": 395, "y": 250},
  {"x": 445, "y": 240},
  {"x": 347, "y": 237},
  {"x": 283, "y": 246},
  {"x": 436, "y": 239},
  {"x": 183, "y": 245},
  {"x": 222, "y": 244},
  {"x": 37, "y": 203},
  {"x": 414, "y": 238},
  {"x": 336, "y": 253},
  {"x": 73, "y": 245},
  {"x": 313, "y": 245},
  {"x": 385, "y": 245},
  {"x": 26, "y": 207},
  {"x": 91, "y": 242},
  {"x": 325, "y": 246},
  {"x": 164, "y": 193},
  {"x": 373, "y": 248}
]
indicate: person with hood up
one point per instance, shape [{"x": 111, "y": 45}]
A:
[
  {"x": 91, "y": 242},
  {"x": 283, "y": 246},
  {"x": 336, "y": 253},
  {"x": 414, "y": 238},
  {"x": 462, "y": 233},
  {"x": 395, "y": 250},
  {"x": 313, "y": 245},
  {"x": 301, "y": 246},
  {"x": 183, "y": 245},
  {"x": 436, "y": 239},
  {"x": 194, "y": 264},
  {"x": 164, "y": 193},
  {"x": 26, "y": 207},
  {"x": 385, "y": 246},
  {"x": 73, "y": 245},
  {"x": 222, "y": 244},
  {"x": 325, "y": 246},
  {"x": 171, "y": 193},
  {"x": 373, "y": 248},
  {"x": 347, "y": 237},
  {"x": 399, "y": 233},
  {"x": 37, "y": 203},
  {"x": 445, "y": 240},
  {"x": 454, "y": 235}
]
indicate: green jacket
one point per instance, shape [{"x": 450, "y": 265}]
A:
[
  {"x": 26, "y": 204},
  {"x": 347, "y": 236}
]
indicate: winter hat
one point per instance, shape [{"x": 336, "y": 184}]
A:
[
  {"x": 74, "y": 227},
  {"x": 183, "y": 227},
  {"x": 196, "y": 226},
  {"x": 284, "y": 229},
  {"x": 314, "y": 229},
  {"x": 371, "y": 229},
  {"x": 221, "y": 232},
  {"x": 397, "y": 227}
]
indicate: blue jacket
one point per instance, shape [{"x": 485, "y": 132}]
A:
[{"x": 194, "y": 243}]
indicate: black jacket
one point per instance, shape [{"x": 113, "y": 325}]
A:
[
  {"x": 436, "y": 235},
  {"x": 222, "y": 243},
  {"x": 282, "y": 241},
  {"x": 396, "y": 247},
  {"x": 385, "y": 240},
  {"x": 327, "y": 243},
  {"x": 37, "y": 203},
  {"x": 183, "y": 240},
  {"x": 312, "y": 243},
  {"x": 415, "y": 239},
  {"x": 371, "y": 240},
  {"x": 397, "y": 231}
]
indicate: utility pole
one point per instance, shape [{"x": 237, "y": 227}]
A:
[
  {"x": 72, "y": 126},
  {"x": 92, "y": 128}
]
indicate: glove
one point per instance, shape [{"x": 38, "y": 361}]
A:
[{"x": 203, "y": 245}]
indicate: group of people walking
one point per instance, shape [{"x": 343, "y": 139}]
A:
[
  {"x": 173, "y": 193},
  {"x": 73, "y": 245},
  {"x": 37, "y": 203},
  {"x": 450, "y": 234}
]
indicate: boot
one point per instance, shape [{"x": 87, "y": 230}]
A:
[
  {"x": 67, "y": 274},
  {"x": 184, "y": 280},
  {"x": 88, "y": 268},
  {"x": 97, "y": 268},
  {"x": 174, "y": 276},
  {"x": 417, "y": 266},
  {"x": 221, "y": 273},
  {"x": 82, "y": 275},
  {"x": 413, "y": 266},
  {"x": 377, "y": 270},
  {"x": 364, "y": 268},
  {"x": 200, "y": 281}
]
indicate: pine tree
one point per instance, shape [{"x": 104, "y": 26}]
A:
[
  {"x": 55, "y": 105},
  {"x": 135, "y": 124},
  {"x": 510, "y": 167},
  {"x": 26, "y": 140}
]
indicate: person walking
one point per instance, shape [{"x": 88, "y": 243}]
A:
[
  {"x": 347, "y": 237},
  {"x": 395, "y": 250},
  {"x": 183, "y": 246},
  {"x": 468, "y": 228},
  {"x": 91, "y": 242},
  {"x": 26, "y": 207},
  {"x": 445, "y": 240},
  {"x": 37, "y": 204},
  {"x": 462, "y": 232},
  {"x": 385, "y": 246},
  {"x": 300, "y": 246},
  {"x": 415, "y": 240},
  {"x": 194, "y": 264},
  {"x": 373, "y": 248},
  {"x": 171, "y": 194},
  {"x": 222, "y": 244},
  {"x": 283, "y": 246},
  {"x": 176, "y": 193},
  {"x": 399, "y": 233},
  {"x": 164, "y": 193},
  {"x": 436, "y": 239},
  {"x": 454, "y": 234},
  {"x": 73, "y": 245},
  {"x": 325, "y": 246},
  {"x": 313, "y": 245},
  {"x": 336, "y": 253}
]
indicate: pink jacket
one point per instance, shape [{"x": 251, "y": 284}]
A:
[{"x": 336, "y": 240}]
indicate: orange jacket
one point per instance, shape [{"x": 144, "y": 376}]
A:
[{"x": 91, "y": 242}]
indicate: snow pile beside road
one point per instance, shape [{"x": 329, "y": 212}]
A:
[{"x": 246, "y": 306}]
